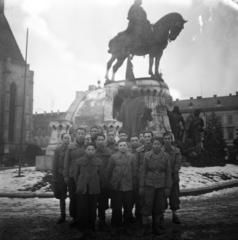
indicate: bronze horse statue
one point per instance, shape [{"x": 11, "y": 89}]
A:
[{"x": 163, "y": 31}]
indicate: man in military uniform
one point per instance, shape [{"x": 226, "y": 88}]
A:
[
  {"x": 134, "y": 142},
  {"x": 75, "y": 150},
  {"x": 93, "y": 131},
  {"x": 141, "y": 138},
  {"x": 146, "y": 147},
  {"x": 123, "y": 134},
  {"x": 139, "y": 157},
  {"x": 103, "y": 153},
  {"x": 111, "y": 141},
  {"x": 57, "y": 174},
  {"x": 175, "y": 164}
]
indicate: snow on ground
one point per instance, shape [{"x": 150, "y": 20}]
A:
[
  {"x": 10, "y": 182},
  {"x": 190, "y": 177},
  {"x": 213, "y": 194},
  {"x": 44, "y": 206}
]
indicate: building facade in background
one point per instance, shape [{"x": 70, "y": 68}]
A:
[
  {"x": 46, "y": 125},
  {"x": 12, "y": 72},
  {"x": 225, "y": 107}
]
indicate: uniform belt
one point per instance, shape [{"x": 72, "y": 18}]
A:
[{"x": 156, "y": 171}]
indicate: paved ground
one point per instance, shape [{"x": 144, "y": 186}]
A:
[{"x": 33, "y": 219}]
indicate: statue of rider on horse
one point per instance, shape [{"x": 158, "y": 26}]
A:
[
  {"x": 141, "y": 38},
  {"x": 139, "y": 28}
]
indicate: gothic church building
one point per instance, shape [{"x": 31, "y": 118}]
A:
[{"x": 12, "y": 70}]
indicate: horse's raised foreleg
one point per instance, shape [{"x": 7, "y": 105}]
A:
[
  {"x": 109, "y": 64},
  {"x": 157, "y": 61},
  {"x": 151, "y": 62},
  {"x": 118, "y": 64}
]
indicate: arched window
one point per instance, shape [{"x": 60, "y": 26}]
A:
[{"x": 12, "y": 112}]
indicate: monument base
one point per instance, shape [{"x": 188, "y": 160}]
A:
[
  {"x": 50, "y": 150},
  {"x": 44, "y": 163},
  {"x": 156, "y": 95}
]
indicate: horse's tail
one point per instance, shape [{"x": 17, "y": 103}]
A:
[
  {"x": 118, "y": 44},
  {"x": 115, "y": 44}
]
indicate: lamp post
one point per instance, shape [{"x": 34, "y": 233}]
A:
[{"x": 23, "y": 108}]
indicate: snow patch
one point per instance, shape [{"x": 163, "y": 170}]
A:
[
  {"x": 213, "y": 194},
  {"x": 190, "y": 178},
  {"x": 11, "y": 183}
]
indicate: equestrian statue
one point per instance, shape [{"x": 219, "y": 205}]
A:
[{"x": 142, "y": 38}]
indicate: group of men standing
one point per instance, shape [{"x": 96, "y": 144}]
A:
[{"x": 116, "y": 168}]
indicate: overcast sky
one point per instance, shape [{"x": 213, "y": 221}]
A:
[{"x": 68, "y": 44}]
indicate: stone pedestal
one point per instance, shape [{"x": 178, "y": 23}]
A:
[
  {"x": 44, "y": 163},
  {"x": 155, "y": 94},
  {"x": 57, "y": 129},
  {"x": 101, "y": 106}
]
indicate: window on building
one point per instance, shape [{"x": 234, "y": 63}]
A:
[
  {"x": 27, "y": 104},
  {"x": 230, "y": 119},
  {"x": 27, "y": 136},
  {"x": 27, "y": 120},
  {"x": 230, "y": 135},
  {"x": 7, "y": 102},
  {"x": 218, "y": 103},
  {"x": 12, "y": 112},
  {"x": 219, "y": 118},
  {"x": 190, "y": 105}
]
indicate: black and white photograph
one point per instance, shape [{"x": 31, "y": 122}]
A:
[{"x": 119, "y": 119}]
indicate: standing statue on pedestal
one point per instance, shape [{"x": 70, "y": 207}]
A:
[
  {"x": 142, "y": 38},
  {"x": 134, "y": 113},
  {"x": 175, "y": 119},
  {"x": 195, "y": 128}
]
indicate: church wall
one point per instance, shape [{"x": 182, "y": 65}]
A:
[{"x": 12, "y": 72}]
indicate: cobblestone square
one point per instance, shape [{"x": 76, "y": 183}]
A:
[{"x": 202, "y": 218}]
